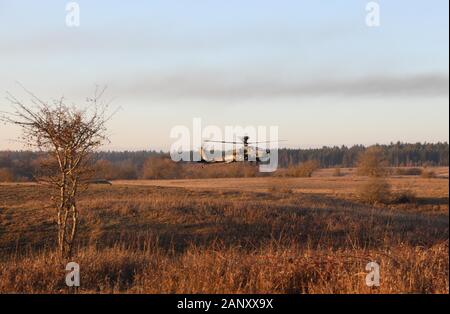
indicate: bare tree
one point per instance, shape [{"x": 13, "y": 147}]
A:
[
  {"x": 68, "y": 135},
  {"x": 372, "y": 162}
]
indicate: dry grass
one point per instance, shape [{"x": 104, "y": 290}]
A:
[
  {"x": 428, "y": 174},
  {"x": 376, "y": 190},
  {"x": 303, "y": 170},
  {"x": 278, "y": 235},
  {"x": 219, "y": 269}
]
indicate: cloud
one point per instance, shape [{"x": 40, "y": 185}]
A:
[{"x": 220, "y": 86}]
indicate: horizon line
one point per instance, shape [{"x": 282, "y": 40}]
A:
[{"x": 280, "y": 148}]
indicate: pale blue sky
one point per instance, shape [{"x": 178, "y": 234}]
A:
[{"x": 311, "y": 67}]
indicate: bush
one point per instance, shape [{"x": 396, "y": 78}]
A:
[
  {"x": 428, "y": 174},
  {"x": 408, "y": 171},
  {"x": 403, "y": 197},
  {"x": 6, "y": 175},
  {"x": 104, "y": 169},
  {"x": 337, "y": 172},
  {"x": 376, "y": 190},
  {"x": 125, "y": 170},
  {"x": 372, "y": 163},
  {"x": 304, "y": 170},
  {"x": 161, "y": 168}
]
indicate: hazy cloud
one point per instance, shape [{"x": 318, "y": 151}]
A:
[{"x": 228, "y": 86}]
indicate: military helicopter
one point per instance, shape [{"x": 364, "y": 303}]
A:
[{"x": 255, "y": 153}]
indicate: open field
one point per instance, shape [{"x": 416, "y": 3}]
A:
[
  {"x": 248, "y": 235},
  {"x": 322, "y": 182}
]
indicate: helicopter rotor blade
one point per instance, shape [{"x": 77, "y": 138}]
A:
[
  {"x": 267, "y": 142},
  {"x": 234, "y": 142},
  {"x": 224, "y": 142}
]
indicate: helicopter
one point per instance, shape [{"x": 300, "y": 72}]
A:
[{"x": 249, "y": 153}]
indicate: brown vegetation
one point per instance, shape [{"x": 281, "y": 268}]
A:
[
  {"x": 404, "y": 197},
  {"x": 376, "y": 190},
  {"x": 68, "y": 136},
  {"x": 304, "y": 170},
  {"x": 408, "y": 171},
  {"x": 161, "y": 168},
  {"x": 121, "y": 170},
  {"x": 429, "y": 174},
  {"x": 372, "y": 162},
  {"x": 337, "y": 172},
  {"x": 6, "y": 175},
  {"x": 204, "y": 239},
  {"x": 379, "y": 191}
]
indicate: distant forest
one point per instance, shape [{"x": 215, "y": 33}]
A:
[
  {"x": 20, "y": 165},
  {"x": 397, "y": 155}
]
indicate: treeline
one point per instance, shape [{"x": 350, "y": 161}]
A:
[
  {"x": 396, "y": 155},
  {"x": 21, "y": 165},
  {"x": 129, "y": 165}
]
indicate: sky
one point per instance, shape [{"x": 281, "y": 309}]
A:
[{"x": 313, "y": 68}]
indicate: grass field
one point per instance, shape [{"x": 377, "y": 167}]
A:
[{"x": 249, "y": 235}]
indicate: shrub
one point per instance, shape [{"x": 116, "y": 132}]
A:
[
  {"x": 232, "y": 170},
  {"x": 372, "y": 163},
  {"x": 277, "y": 189},
  {"x": 406, "y": 196},
  {"x": 337, "y": 172},
  {"x": 376, "y": 190},
  {"x": 6, "y": 175},
  {"x": 125, "y": 170},
  {"x": 304, "y": 170},
  {"x": 408, "y": 171},
  {"x": 104, "y": 169},
  {"x": 161, "y": 168},
  {"x": 428, "y": 174}
]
